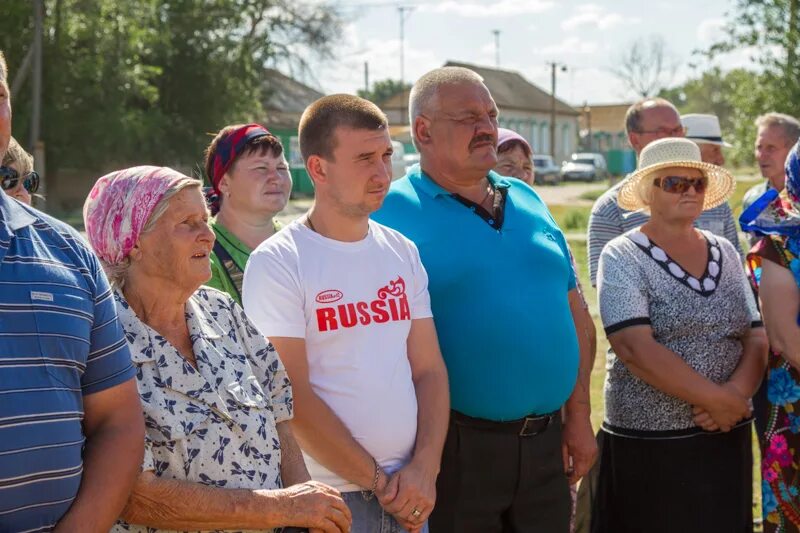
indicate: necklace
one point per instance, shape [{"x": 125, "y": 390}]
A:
[{"x": 310, "y": 224}]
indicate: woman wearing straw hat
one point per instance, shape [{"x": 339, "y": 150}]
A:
[
  {"x": 775, "y": 269},
  {"x": 688, "y": 352}
]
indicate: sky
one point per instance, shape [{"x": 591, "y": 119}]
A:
[{"x": 587, "y": 37}]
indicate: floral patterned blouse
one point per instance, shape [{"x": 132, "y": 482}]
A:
[{"x": 214, "y": 424}]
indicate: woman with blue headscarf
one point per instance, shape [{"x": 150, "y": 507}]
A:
[{"x": 774, "y": 265}]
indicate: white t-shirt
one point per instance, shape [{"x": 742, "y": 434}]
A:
[{"x": 353, "y": 303}]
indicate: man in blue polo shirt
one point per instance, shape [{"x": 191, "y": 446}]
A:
[
  {"x": 503, "y": 297},
  {"x": 71, "y": 427}
]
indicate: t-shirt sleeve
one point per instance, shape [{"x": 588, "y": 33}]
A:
[
  {"x": 266, "y": 365},
  {"x": 420, "y": 299},
  {"x": 622, "y": 294},
  {"x": 109, "y": 360},
  {"x": 272, "y": 295},
  {"x": 731, "y": 232},
  {"x": 604, "y": 225}
]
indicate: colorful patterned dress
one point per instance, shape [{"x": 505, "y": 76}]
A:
[{"x": 780, "y": 445}]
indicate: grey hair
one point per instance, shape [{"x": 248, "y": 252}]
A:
[
  {"x": 118, "y": 273},
  {"x": 789, "y": 125},
  {"x": 424, "y": 91}
]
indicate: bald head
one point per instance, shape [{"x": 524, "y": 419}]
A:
[
  {"x": 651, "y": 119},
  {"x": 424, "y": 93}
]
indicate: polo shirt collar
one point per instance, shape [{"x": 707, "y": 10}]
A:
[
  {"x": 422, "y": 181},
  {"x": 13, "y": 215}
]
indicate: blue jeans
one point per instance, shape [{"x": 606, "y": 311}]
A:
[{"x": 369, "y": 516}]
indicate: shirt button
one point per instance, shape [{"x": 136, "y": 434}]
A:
[
  {"x": 472, "y": 208},
  {"x": 491, "y": 222}
]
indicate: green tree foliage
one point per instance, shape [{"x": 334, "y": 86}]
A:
[
  {"x": 770, "y": 31},
  {"x": 145, "y": 81},
  {"x": 383, "y": 90}
]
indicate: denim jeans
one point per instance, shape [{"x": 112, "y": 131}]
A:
[{"x": 369, "y": 516}]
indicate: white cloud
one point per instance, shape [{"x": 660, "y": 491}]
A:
[
  {"x": 597, "y": 16},
  {"x": 568, "y": 46},
  {"x": 500, "y": 8},
  {"x": 710, "y": 31},
  {"x": 346, "y": 73}
]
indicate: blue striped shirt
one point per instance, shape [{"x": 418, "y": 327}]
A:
[
  {"x": 608, "y": 221},
  {"x": 59, "y": 340}
]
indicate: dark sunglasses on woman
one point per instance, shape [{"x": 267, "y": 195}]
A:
[
  {"x": 10, "y": 177},
  {"x": 681, "y": 184}
]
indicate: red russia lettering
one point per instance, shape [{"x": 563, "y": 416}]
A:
[{"x": 390, "y": 306}]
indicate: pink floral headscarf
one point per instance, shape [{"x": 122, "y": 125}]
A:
[{"x": 120, "y": 204}]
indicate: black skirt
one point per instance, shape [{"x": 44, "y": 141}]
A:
[{"x": 702, "y": 483}]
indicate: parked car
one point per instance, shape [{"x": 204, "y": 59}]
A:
[
  {"x": 585, "y": 166},
  {"x": 546, "y": 171}
]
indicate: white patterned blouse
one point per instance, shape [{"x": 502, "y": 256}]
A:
[{"x": 214, "y": 424}]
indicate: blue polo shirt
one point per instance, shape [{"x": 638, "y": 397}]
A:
[
  {"x": 499, "y": 296},
  {"x": 59, "y": 341}
]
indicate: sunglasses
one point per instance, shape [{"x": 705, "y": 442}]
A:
[
  {"x": 10, "y": 177},
  {"x": 681, "y": 184}
]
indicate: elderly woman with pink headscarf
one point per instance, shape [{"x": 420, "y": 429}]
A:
[{"x": 219, "y": 454}]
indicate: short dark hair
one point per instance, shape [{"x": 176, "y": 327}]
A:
[
  {"x": 261, "y": 145},
  {"x": 320, "y": 120},
  {"x": 513, "y": 143},
  {"x": 3, "y": 68},
  {"x": 633, "y": 117}
]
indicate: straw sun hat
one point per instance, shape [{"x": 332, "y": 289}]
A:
[{"x": 673, "y": 152}]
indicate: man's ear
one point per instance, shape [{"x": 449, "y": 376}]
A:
[
  {"x": 422, "y": 130},
  {"x": 317, "y": 169}
]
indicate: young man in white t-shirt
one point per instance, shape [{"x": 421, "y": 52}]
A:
[{"x": 345, "y": 302}]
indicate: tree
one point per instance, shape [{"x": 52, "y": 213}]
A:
[
  {"x": 646, "y": 66},
  {"x": 736, "y": 97},
  {"x": 770, "y": 29},
  {"x": 145, "y": 81},
  {"x": 383, "y": 90}
]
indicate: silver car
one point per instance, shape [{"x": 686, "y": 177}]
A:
[
  {"x": 545, "y": 170},
  {"x": 585, "y": 167}
]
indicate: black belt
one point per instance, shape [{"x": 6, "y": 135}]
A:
[{"x": 528, "y": 426}]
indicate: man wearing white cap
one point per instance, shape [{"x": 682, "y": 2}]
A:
[{"x": 706, "y": 133}]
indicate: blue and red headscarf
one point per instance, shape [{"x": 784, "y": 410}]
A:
[{"x": 227, "y": 150}]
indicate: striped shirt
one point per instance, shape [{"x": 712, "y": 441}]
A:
[
  {"x": 608, "y": 221},
  {"x": 59, "y": 340}
]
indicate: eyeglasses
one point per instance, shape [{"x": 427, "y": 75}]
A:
[
  {"x": 681, "y": 184},
  {"x": 10, "y": 177},
  {"x": 678, "y": 131}
]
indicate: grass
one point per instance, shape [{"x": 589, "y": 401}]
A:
[{"x": 571, "y": 219}]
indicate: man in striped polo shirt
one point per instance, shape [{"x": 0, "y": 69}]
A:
[
  {"x": 71, "y": 427},
  {"x": 646, "y": 121}
]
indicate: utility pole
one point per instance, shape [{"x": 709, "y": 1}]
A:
[
  {"x": 36, "y": 145},
  {"x": 403, "y": 10},
  {"x": 793, "y": 35},
  {"x": 366, "y": 77},
  {"x": 554, "y": 65},
  {"x": 36, "y": 113},
  {"x": 496, "y": 48}
]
